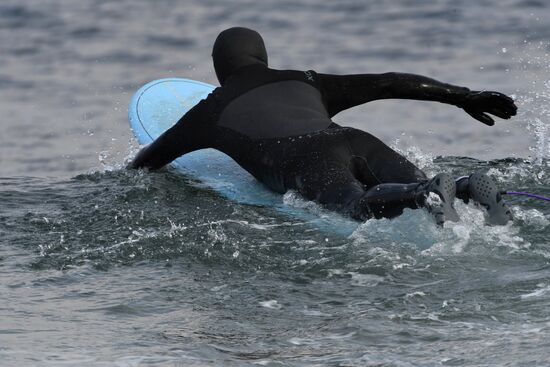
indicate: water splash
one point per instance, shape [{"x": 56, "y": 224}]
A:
[
  {"x": 114, "y": 158},
  {"x": 534, "y": 102},
  {"x": 420, "y": 158}
]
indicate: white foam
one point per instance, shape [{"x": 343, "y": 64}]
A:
[
  {"x": 294, "y": 199},
  {"x": 543, "y": 290},
  {"x": 415, "y": 294},
  {"x": 272, "y": 304},
  {"x": 365, "y": 280},
  {"x": 531, "y": 217},
  {"x": 418, "y": 157},
  {"x": 416, "y": 228}
]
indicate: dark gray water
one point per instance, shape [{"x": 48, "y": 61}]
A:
[{"x": 104, "y": 267}]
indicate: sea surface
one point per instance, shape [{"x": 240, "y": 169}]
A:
[{"x": 101, "y": 266}]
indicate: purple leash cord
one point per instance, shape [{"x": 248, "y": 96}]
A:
[{"x": 535, "y": 196}]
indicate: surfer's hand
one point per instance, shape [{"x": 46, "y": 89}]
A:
[
  {"x": 479, "y": 104},
  {"x": 139, "y": 160}
]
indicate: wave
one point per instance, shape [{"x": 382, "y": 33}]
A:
[{"x": 122, "y": 217}]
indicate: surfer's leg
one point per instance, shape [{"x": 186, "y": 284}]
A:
[
  {"x": 394, "y": 183},
  {"x": 334, "y": 170},
  {"x": 483, "y": 190},
  {"x": 335, "y": 186},
  {"x": 374, "y": 162},
  {"x": 388, "y": 200},
  {"x": 329, "y": 183}
]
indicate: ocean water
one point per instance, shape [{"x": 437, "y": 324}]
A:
[{"x": 100, "y": 266}]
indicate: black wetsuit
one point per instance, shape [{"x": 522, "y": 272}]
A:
[{"x": 277, "y": 125}]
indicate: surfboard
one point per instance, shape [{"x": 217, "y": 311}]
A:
[{"x": 158, "y": 105}]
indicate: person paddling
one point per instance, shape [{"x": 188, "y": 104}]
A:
[{"x": 277, "y": 125}]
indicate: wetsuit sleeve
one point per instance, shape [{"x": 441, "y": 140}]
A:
[
  {"x": 341, "y": 92},
  {"x": 190, "y": 133}
]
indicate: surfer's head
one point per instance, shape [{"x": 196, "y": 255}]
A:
[{"x": 237, "y": 47}]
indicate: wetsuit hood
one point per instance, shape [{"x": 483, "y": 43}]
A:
[{"x": 237, "y": 47}]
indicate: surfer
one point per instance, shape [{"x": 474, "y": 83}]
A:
[{"x": 277, "y": 125}]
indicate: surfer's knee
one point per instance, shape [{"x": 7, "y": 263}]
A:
[{"x": 388, "y": 200}]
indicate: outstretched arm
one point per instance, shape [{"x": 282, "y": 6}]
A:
[
  {"x": 345, "y": 91},
  {"x": 187, "y": 135}
]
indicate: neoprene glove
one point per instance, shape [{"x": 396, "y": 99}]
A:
[{"x": 479, "y": 104}]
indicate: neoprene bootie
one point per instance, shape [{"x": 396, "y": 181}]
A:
[
  {"x": 483, "y": 190},
  {"x": 441, "y": 206}
]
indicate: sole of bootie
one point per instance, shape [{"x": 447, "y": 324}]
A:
[
  {"x": 445, "y": 187},
  {"x": 483, "y": 190}
]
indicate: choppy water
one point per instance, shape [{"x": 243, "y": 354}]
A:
[{"x": 100, "y": 266}]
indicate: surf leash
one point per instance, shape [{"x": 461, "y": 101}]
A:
[{"x": 528, "y": 194}]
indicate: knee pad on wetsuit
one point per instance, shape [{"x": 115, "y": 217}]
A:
[
  {"x": 389, "y": 200},
  {"x": 462, "y": 188}
]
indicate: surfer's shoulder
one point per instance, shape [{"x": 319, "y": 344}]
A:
[{"x": 306, "y": 76}]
